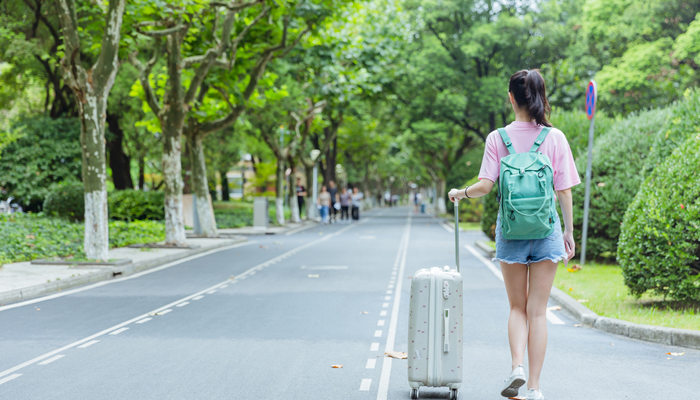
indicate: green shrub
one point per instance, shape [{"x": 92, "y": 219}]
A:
[
  {"x": 66, "y": 199},
  {"x": 574, "y": 124},
  {"x": 683, "y": 123},
  {"x": 129, "y": 205},
  {"x": 47, "y": 151},
  {"x": 659, "y": 246},
  {"x": 31, "y": 236},
  {"x": 618, "y": 159}
]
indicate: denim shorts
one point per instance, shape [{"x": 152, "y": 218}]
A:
[{"x": 530, "y": 251}]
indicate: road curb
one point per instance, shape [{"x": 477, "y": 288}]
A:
[
  {"x": 657, "y": 334},
  {"x": 104, "y": 273}
]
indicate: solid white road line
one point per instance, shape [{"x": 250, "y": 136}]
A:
[
  {"x": 551, "y": 317},
  {"x": 365, "y": 384},
  {"x": 164, "y": 309},
  {"x": 118, "y": 331},
  {"x": 9, "y": 378},
  {"x": 88, "y": 344},
  {"x": 383, "y": 386},
  {"x": 371, "y": 363},
  {"x": 126, "y": 278},
  {"x": 491, "y": 266},
  {"x": 52, "y": 359},
  {"x": 374, "y": 347}
]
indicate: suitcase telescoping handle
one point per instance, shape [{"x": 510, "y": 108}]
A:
[{"x": 457, "y": 234}]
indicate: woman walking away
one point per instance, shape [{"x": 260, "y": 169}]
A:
[
  {"x": 345, "y": 199},
  {"x": 532, "y": 161},
  {"x": 324, "y": 201}
]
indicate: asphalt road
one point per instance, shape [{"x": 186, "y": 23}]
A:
[{"x": 269, "y": 319}]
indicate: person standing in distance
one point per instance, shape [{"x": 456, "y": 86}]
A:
[
  {"x": 301, "y": 194},
  {"x": 333, "y": 190},
  {"x": 528, "y": 266}
]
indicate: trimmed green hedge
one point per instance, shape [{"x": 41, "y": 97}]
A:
[
  {"x": 31, "y": 236},
  {"x": 659, "y": 246},
  {"x": 67, "y": 200},
  {"x": 129, "y": 205},
  {"x": 618, "y": 159},
  {"x": 683, "y": 123}
]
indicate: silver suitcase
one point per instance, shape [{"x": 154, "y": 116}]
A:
[{"x": 435, "y": 327}]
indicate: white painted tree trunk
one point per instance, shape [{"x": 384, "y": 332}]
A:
[
  {"x": 294, "y": 204},
  {"x": 279, "y": 210},
  {"x": 172, "y": 174},
  {"x": 204, "y": 209},
  {"x": 92, "y": 138},
  {"x": 441, "y": 207}
]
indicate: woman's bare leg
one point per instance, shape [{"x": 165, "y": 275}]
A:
[
  {"x": 541, "y": 278},
  {"x": 515, "y": 278}
]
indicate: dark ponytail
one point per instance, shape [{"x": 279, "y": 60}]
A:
[{"x": 529, "y": 92}]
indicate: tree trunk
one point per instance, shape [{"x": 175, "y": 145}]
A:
[
  {"x": 172, "y": 123},
  {"x": 91, "y": 89},
  {"x": 293, "y": 203},
  {"x": 119, "y": 162},
  {"x": 225, "y": 195},
  {"x": 279, "y": 200},
  {"x": 441, "y": 188},
  {"x": 92, "y": 139},
  {"x": 200, "y": 185},
  {"x": 142, "y": 172}
]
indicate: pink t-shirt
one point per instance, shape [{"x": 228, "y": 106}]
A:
[{"x": 523, "y": 135}]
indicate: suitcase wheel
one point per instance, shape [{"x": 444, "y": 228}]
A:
[
  {"x": 453, "y": 394},
  {"x": 414, "y": 394}
]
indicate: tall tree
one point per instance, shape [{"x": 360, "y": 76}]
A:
[{"x": 91, "y": 87}]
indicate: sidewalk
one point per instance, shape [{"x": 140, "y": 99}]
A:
[
  {"x": 658, "y": 334},
  {"x": 27, "y": 280}
]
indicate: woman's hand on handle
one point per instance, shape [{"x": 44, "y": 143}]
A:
[{"x": 456, "y": 194}]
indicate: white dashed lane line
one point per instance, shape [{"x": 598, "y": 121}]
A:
[
  {"x": 88, "y": 344},
  {"x": 183, "y": 304},
  {"x": 143, "y": 321},
  {"x": 9, "y": 378},
  {"x": 365, "y": 384},
  {"x": 198, "y": 297},
  {"x": 371, "y": 363},
  {"x": 378, "y": 333},
  {"x": 118, "y": 331},
  {"x": 374, "y": 347},
  {"x": 52, "y": 359}
]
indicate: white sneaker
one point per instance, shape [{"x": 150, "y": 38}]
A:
[
  {"x": 534, "y": 394},
  {"x": 514, "y": 381}
]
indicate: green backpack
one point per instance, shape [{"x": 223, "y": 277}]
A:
[{"x": 526, "y": 189}]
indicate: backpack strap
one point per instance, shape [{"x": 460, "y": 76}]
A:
[
  {"x": 540, "y": 138},
  {"x": 506, "y": 140}
]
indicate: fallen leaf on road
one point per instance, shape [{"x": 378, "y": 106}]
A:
[
  {"x": 676, "y": 354},
  {"x": 232, "y": 277},
  {"x": 313, "y": 275},
  {"x": 516, "y": 398},
  {"x": 554, "y": 308},
  {"x": 337, "y": 366},
  {"x": 365, "y": 312},
  {"x": 396, "y": 354},
  {"x": 37, "y": 308}
]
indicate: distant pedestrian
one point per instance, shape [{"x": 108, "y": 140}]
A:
[
  {"x": 528, "y": 261},
  {"x": 324, "y": 201},
  {"x": 333, "y": 190},
  {"x": 356, "y": 203},
  {"x": 345, "y": 199},
  {"x": 301, "y": 194}
]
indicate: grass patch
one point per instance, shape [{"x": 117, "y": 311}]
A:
[
  {"x": 237, "y": 214},
  {"x": 604, "y": 292},
  {"x": 25, "y": 237},
  {"x": 470, "y": 226}
]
